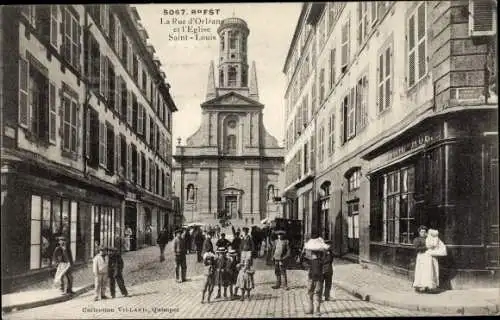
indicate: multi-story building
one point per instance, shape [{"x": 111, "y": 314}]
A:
[
  {"x": 231, "y": 165},
  {"x": 406, "y": 131},
  {"x": 86, "y": 134}
]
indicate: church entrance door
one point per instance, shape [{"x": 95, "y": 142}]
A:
[{"x": 232, "y": 206}]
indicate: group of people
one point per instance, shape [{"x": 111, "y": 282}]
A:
[{"x": 108, "y": 265}]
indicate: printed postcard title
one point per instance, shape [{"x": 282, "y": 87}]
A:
[{"x": 192, "y": 24}]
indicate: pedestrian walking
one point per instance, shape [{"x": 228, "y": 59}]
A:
[
  {"x": 247, "y": 247},
  {"x": 115, "y": 272},
  {"x": 100, "y": 269},
  {"x": 222, "y": 242},
  {"x": 221, "y": 272},
  {"x": 199, "y": 239},
  {"x": 180, "y": 257},
  {"x": 209, "y": 260},
  {"x": 316, "y": 262},
  {"x": 64, "y": 259},
  {"x": 208, "y": 246},
  {"x": 328, "y": 270},
  {"x": 245, "y": 279},
  {"x": 280, "y": 256},
  {"x": 162, "y": 242},
  {"x": 187, "y": 241}
]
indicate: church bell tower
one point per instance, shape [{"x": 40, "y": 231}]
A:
[{"x": 233, "y": 66}]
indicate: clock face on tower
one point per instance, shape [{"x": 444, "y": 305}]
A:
[{"x": 231, "y": 124}]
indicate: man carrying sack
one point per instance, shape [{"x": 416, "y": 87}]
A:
[
  {"x": 64, "y": 259},
  {"x": 281, "y": 253}
]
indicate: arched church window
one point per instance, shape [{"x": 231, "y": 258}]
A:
[
  {"x": 233, "y": 38},
  {"x": 221, "y": 78},
  {"x": 231, "y": 144},
  {"x": 270, "y": 193},
  {"x": 244, "y": 78},
  {"x": 232, "y": 77},
  {"x": 222, "y": 42}
]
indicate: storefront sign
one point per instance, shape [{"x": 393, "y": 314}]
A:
[{"x": 421, "y": 139}]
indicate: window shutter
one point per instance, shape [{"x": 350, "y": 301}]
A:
[
  {"x": 104, "y": 17},
  {"x": 118, "y": 97},
  {"x": 23, "y": 92},
  {"x": 348, "y": 40},
  {"x": 79, "y": 47},
  {"x": 129, "y": 162},
  {"x": 54, "y": 20},
  {"x": 139, "y": 169},
  {"x": 117, "y": 154},
  {"x": 342, "y": 122},
  {"x": 102, "y": 153},
  {"x": 374, "y": 12},
  {"x": 140, "y": 119},
  {"x": 61, "y": 116},
  {"x": 482, "y": 18},
  {"x": 129, "y": 107},
  {"x": 146, "y": 163},
  {"x": 78, "y": 127},
  {"x": 360, "y": 23},
  {"x": 63, "y": 32},
  {"x": 389, "y": 81},
  {"x": 52, "y": 113},
  {"x": 146, "y": 129},
  {"x": 102, "y": 75},
  {"x": 380, "y": 83},
  {"x": 352, "y": 106},
  {"x": 107, "y": 89},
  {"x": 87, "y": 134}
]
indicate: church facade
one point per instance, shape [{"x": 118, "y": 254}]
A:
[{"x": 231, "y": 164}]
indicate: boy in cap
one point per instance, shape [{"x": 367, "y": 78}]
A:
[
  {"x": 328, "y": 269},
  {"x": 221, "y": 271},
  {"x": 180, "y": 256},
  {"x": 247, "y": 246},
  {"x": 115, "y": 272},
  {"x": 281, "y": 253},
  {"x": 64, "y": 259},
  {"x": 233, "y": 260},
  {"x": 100, "y": 269}
]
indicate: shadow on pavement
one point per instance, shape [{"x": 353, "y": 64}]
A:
[
  {"x": 141, "y": 294},
  {"x": 260, "y": 296},
  {"x": 361, "y": 309}
]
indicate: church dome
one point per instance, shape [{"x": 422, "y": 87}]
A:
[{"x": 232, "y": 23}]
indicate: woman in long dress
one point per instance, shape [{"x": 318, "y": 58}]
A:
[{"x": 428, "y": 248}]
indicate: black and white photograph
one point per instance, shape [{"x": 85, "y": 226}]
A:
[{"x": 249, "y": 160}]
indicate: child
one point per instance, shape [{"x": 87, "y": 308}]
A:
[
  {"x": 209, "y": 262},
  {"x": 100, "y": 269},
  {"x": 245, "y": 279},
  {"x": 328, "y": 270},
  {"x": 432, "y": 240},
  {"x": 233, "y": 270},
  {"x": 222, "y": 271},
  {"x": 316, "y": 279},
  {"x": 115, "y": 272}
]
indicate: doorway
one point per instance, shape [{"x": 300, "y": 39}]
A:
[
  {"x": 231, "y": 206},
  {"x": 490, "y": 178},
  {"x": 353, "y": 227},
  {"x": 131, "y": 221}
]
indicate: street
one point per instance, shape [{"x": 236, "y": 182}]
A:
[{"x": 155, "y": 294}]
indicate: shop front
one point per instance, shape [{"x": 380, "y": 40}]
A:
[
  {"x": 37, "y": 208},
  {"x": 444, "y": 175}
]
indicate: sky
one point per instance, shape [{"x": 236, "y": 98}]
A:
[{"x": 186, "y": 62}]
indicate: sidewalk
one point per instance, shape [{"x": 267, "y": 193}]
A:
[
  {"x": 43, "y": 292},
  {"x": 383, "y": 289}
]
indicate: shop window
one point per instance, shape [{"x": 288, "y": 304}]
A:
[
  {"x": 103, "y": 231},
  {"x": 50, "y": 218},
  {"x": 399, "y": 206}
]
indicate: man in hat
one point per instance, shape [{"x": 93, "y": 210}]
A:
[
  {"x": 247, "y": 247},
  {"x": 115, "y": 272},
  {"x": 328, "y": 270},
  {"x": 222, "y": 242},
  {"x": 208, "y": 246},
  {"x": 100, "y": 269},
  {"x": 180, "y": 256},
  {"x": 222, "y": 272},
  {"x": 64, "y": 259},
  {"x": 162, "y": 242},
  {"x": 281, "y": 253}
]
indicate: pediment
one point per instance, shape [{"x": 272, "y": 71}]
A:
[{"x": 232, "y": 99}]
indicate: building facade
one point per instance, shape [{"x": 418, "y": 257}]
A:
[
  {"x": 405, "y": 124},
  {"x": 230, "y": 165},
  {"x": 86, "y": 135}
]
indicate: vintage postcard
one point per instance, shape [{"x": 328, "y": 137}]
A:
[{"x": 249, "y": 160}]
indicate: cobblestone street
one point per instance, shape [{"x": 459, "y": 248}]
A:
[{"x": 155, "y": 294}]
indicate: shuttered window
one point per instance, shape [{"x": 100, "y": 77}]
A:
[
  {"x": 54, "y": 22},
  {"x": 71, "y": 37},
  {"x": 482, "y": 18},
  {"x": 331, "y": 133},
  {"x": 345, "y": 46},
  {"x": 322, "y": 85},
  {"x": 23, "y": 93},
  {"x": 417, "y": 44},
  {"x": 70, "y": 123},
  {"x": 52, "y": 113},
  {"x": 384, "y": 78},
  {"x": 332, "y": 67},
  {"x": 140, "y": 120},
  {"x": 102, "y": 144}
]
